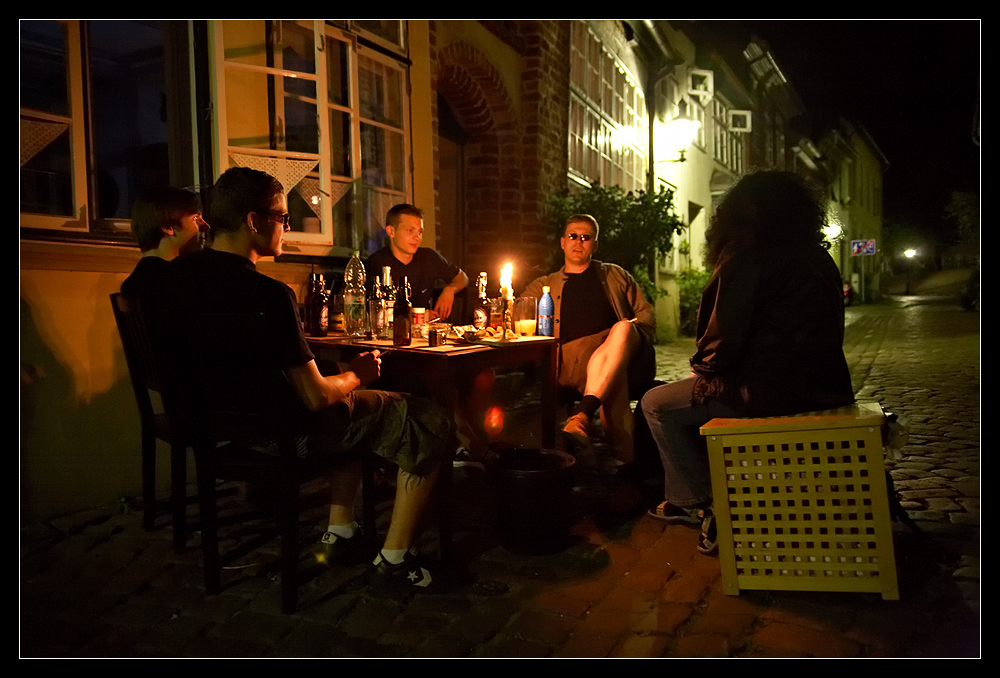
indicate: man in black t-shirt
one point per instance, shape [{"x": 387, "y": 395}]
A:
[
  {"x": 274, "y": 373},
  {"x": 605, "y": 330},
  {"x": 423, "y": 267}
]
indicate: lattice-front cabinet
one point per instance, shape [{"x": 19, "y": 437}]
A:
[{"x": 801, "y": 502}]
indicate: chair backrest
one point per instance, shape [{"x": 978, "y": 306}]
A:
[
  {"x": 147, "y": 364},
  {"x": 210, "y": 392}
]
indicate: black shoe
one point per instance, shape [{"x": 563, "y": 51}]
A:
[
  {"x": 343, "y": 550},
  {"x": 408, "y": 577}
]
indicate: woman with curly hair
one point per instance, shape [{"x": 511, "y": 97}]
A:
[{"x": 770, "y": 335}]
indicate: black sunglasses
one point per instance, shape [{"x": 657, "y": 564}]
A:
[
  {"x": 283, "y": 217},
  {"x": 583, "y": 237}
]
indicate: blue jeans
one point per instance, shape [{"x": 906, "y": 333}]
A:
[{"x": 674, "y": 423}]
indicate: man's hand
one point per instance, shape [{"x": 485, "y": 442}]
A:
[
  {"x": 366, "y": 366},
  {"x": 442, "y": 309}
]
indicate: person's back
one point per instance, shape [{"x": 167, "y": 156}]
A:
[
  {"x": 240, "y": 327},
  {"x": 790, "y": 358}
]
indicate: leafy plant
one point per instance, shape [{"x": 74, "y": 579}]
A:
[{"x": 636, "y": 228}]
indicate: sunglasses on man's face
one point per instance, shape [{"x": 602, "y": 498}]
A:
[{"x": 583, "y": 237}]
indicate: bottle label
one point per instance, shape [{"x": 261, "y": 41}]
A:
[{"x": 480, "y": 317}]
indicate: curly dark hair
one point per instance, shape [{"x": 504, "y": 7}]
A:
[{"x": 766, "y": 209}]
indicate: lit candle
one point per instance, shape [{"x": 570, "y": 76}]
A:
[
  {"x": 507, "y": 294},
  {"x": 506, "y": 289}
]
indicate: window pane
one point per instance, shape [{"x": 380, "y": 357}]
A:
[
  {"x": 380, "y": 91},
  {"x": 46, "y": 182},
  {"x": 340, "y": 144},
  {"x": 129, "y": 105},
  {"x": 43, "y": 67},
  {"x": 387, "y": 29},
  {"x": 338, "y": 76},
  {"x": 270, "y": 44},
  {"x": 382, "y": 157},
  {"x": 46, "y": 161},
  {"x": 272, "y": 112}
]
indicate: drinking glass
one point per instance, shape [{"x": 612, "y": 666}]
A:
[{"x": 525, "y": 316}]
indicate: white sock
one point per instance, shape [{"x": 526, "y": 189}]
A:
[
  {"x": 345, "y": 531},
  {"x": 394, "y": 556}
]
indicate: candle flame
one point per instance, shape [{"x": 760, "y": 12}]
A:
[{"x": 506, "y": 274}]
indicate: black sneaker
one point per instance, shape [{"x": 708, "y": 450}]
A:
[
  {"x": 405, "y": 578},
  {"x": 343, "y": 550}
]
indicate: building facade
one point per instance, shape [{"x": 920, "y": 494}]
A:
[{"x": 478, "y": 123}]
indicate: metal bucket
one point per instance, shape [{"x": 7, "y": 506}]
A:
[{"x": 533, "y": 488}]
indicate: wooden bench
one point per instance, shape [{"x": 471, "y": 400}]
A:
[{"x": 801, "y": 502}]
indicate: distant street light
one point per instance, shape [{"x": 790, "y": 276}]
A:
[{"x": 909, "y": 254}]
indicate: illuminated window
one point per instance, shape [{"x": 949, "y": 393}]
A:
[
  {"x": 609, "y": 128},
  {"x": 727, "y": 145},
  {"x": 305, "y": 102}
]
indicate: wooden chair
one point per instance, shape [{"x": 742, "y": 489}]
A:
[
  {"x": 142, "y": 367},
  {"x": 218, "y": 390}
]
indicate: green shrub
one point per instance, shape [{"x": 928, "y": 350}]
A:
[{"x": 636, "y": 228}]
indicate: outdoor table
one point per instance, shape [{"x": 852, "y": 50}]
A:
[{"x": 442, "y": 366}]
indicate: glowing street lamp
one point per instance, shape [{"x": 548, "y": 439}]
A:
[{"x": 680, "y": 132}]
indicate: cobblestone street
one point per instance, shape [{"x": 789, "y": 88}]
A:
[{"x": 93, "y": 583}]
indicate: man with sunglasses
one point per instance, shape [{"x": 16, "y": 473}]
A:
[
  {"x": 605, "y": 330},
  {"x": 268, "y": 370}
]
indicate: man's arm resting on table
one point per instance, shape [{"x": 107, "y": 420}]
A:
[
  {"x": 446, "y": 299},
  {"x": 317, "y": 392}
]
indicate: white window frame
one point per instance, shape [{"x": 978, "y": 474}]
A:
[
  {"x": 324, "y": 241},
  {"x": 79, "y": 221}
]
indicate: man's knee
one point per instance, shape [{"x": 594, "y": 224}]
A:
[{"x": 624, "y": 334}]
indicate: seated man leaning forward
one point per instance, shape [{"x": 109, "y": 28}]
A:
[
  {"x": 423, "y": 267},
  {"x": 605, "y": 330},
  {"x": 280, "y": 377},
  {"x": 167, "y": 222}
]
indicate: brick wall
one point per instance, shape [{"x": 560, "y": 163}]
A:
[{"x": 515, "y": 157}]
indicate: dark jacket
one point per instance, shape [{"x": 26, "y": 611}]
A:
[{"x": 771, "y": 333}]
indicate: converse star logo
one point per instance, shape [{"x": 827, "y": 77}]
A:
[{"x": 421, "y": 578}]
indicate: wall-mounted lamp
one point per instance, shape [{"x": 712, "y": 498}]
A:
[{"x": 680, "y": 132}]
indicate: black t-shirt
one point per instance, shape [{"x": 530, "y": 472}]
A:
[
  {"x": 424, "y": 271},
  {"x": 585, "y": 308},
  {"x": 243, "y": 328},
  {"x": 149, "y": 280}
]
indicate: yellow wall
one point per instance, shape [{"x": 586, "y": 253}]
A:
[{"x": 79, "y": 424}]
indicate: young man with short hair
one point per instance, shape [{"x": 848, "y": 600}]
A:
[
  {"x": 167, "y": 222},
  {"x": 282, "y": 380},
  {"x": 422, "y": 266}
]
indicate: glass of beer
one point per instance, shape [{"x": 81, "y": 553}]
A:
[{"x": 525, "y": 316}]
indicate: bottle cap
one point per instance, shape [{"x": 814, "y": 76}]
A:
[{"x": 545, "y": 288}]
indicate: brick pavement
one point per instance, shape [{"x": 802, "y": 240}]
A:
[{"x": 94, "y": 584}]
